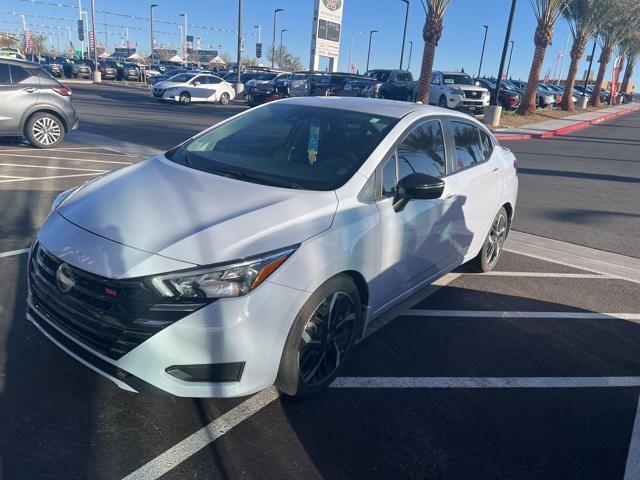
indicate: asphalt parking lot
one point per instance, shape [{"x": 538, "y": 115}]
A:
[{"x": 530, "y": 372}]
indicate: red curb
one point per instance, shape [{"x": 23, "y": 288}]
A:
[{"x": 568, "y": 128}]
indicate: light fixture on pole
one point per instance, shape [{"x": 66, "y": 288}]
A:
[
  {"x": 273, "y": 41},
  {"x": 371, "y": 32},
  {"x": 484, "y": 43},
  {"x": 280, "y": 55},
  {"x": 151, "y": 9},
  {"x": 509, "y": 63},
  {"x": 404, "y": 34},
  {"x": 351, "y": 49}
]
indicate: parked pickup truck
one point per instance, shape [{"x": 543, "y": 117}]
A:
[
  {"x": 393, "y": 84},
  {"x": 458, "y": 91}
]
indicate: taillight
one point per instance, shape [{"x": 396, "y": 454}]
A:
[{"x": 64, "y": 91}]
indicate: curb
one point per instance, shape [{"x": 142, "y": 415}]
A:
[{"x": 568, "y": 128}]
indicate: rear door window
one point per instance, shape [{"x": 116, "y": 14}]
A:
[
  {"x": 469, "y": 150},
  {"x": 5, "y": 78},
  {"x": 19, "y": 74}
]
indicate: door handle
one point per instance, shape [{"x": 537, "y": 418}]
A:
[
  {"x": 495, "y": 170},
  {"x": 29, "y": 89}
]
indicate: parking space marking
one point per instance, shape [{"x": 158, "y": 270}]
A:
[
  {"x": 177, "y": 454},
  {"x": 541, "y": 275},
  {"x": 72, "y": 150},
  {"x": 12, "y": 253},
  {"x": 30, "y": 179},
  {"x": 68, "y": 159},
  {"x": 634, "y": 317},
  {"x": 52, "y": 167},
  {"x": 632, "y": 469},
  {"x": 485, "y": 382},
  {"x": 11, "y": 176}
]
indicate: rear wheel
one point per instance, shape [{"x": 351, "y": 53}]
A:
[
  {"x": 184, "y": 98},
  {"x": 44, "y": 130},
  {"x": 224, "y": 98},
  {"x": 489, "y": 255},
  {"x": 321, "y": 338}
]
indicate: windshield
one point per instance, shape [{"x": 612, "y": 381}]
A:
[
  {"x": 379, "y": 75},
  {"x": 291, "y": 146},
  {"x": 266, "y": 76},
  {"x": 457, "y": 80},
  {"x": 182, "y": 77}
]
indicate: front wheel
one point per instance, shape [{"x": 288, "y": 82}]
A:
[
  {"x": 442, "y": 102},
  {"x": 492, "y": 247},
  {"x": 44, "y": 130},
  {"x": 321, "y": 338},
  {"x": 224, "y": 98},
  {"x": 184, "y": 98}
]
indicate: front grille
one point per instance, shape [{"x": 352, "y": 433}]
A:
[
  {"x": 158, "y": 92},
  {"x": 110, "y": 316},
  {"x": 472, "y": 94}
]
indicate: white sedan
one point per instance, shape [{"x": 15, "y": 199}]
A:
[{"x": 194, "y": 87}]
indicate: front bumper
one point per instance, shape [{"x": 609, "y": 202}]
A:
[
  {"x": 459, "y": 102},
  {"x": 250, "y": 331}
]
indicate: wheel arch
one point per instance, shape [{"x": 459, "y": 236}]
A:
[{"x": 46, "y": 109}]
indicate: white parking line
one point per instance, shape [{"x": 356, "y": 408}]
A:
[
  {"x": 31, "y": 179},
  {"x": 76, "y": 150},
  {"x": 632, "y": 469},
  {"x": 516, "y": 314},
  {"x": 203, "y": 437},
  {"x": 52, "y": 167},
  {"x": 485, "y": 382},
  {"x": 540, "y": 275},
  {"x": 12, "y": 253},
  {"x": 68, "y": 159},
  {"x": 11, "y": 176}
]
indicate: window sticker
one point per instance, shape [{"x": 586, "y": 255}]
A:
[{"x": 314, "y": 138}]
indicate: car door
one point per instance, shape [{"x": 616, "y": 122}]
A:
[
  {"x": 415, "y": 241},
  {"x": 198, "y": 88},
  {"x": 214, "y": 88},
  {"x": 478, "y": 183},
  {"x": 18, "y": 92}
]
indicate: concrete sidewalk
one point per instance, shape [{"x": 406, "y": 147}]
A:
[{"x": 564, "y": 125}]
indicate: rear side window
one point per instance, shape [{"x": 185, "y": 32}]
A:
[
  {"x": 487, "y": 144},
  {"x": 468, "y": 147},
  {"x": 5, "y": 79},
  {"x": 19, "y": 74}
]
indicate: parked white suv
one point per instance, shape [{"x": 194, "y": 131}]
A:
[{"x": 459, "y": 91}]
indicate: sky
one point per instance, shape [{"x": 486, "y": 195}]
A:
[{"x": 460, "y": 45}]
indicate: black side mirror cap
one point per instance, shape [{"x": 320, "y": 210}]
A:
[{"x": 417, "y": 186}]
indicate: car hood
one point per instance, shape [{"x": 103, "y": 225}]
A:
[{"x": 160, "y": 207}]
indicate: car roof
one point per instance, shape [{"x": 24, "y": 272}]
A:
[
  {"x": 374, "y": 106},
  {"x": 452, "y": 73},
  {"x": 17, "y": 61}
]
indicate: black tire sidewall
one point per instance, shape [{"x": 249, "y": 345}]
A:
[
  {"x": 442, "y": 104},
  {"x": 225, "y": 98},
  {"x": 482, "y": 262},
  {"x": 185, "y": 95},
  {"x": 288, "y": 380},
  {"x": 28, "y": 131}
]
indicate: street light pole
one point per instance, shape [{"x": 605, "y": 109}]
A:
[
  {"x": 280, "y": 56},
  {"x": 484, "y": 43},
  {"x": 593, "y": 53},
  {"x": 507, "y": 39},
  {"x": 186, "y": 43},
  {"x": 371, "y": 32},
  {"x": 239, "y": 85},
  {"x": 258, "y": 27},
  {"x": 96, "y": 73},
  {"x": 351, "y": 50},
  {"x": 509, "y": 64},
  {"x": 86, "y": 23},
  {"x": 404, "y": 33},
  {"x": 151, "y": 9},
  {"x": 410, "y": 50},
  {"x": 80, "y": 14},
  {"x": 273, "y": 41}
]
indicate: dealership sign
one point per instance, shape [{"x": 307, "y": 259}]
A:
[{"x": 327, "y": 27}]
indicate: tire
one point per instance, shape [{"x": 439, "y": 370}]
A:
[
  {"x": 442, "y": 101},
  {"x": 225, "y": 98},
  {"x": 184, "y": 98},
  {"x": 44, "y": 130},
  {"x": 491, "y": 249},
  {"x": 306, "y": 370}
]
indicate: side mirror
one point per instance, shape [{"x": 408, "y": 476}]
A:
[
  {"x": 417, "y": 186},
  {"x": 477, "y": 84},
  {"x": 195, "y": 84}
]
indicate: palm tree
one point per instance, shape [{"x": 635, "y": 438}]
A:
[
  {"x": 431, "y": 33},
  {"x": 631, "y": 50},
  {"x": 619, "y": 21},
  {"x": 546, "y": 13},
  {"x": 583, "y": 17}
]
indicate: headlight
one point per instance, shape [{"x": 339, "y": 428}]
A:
[
  {"x": 232, "y": 280},
  {"x": 456, "y": 90}
]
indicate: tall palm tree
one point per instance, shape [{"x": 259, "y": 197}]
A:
[
  {"x": 546, "y": 13},
  {"x": 631, "y": 50},
  {"x": 431, "y": 34},
  {"x": 583, "y": 17},
  {"x": 620, "y": 20}
]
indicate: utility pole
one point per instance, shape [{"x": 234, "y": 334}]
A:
[
  {"x": 280, "y": 55},
  {"x": 97, "y": 77},
  {"x": 404, "y": 33},
  {"x": 509, "y": 64},
  {"x": 484, "y": 43},
  {"x": 80, "y": 15},
  {"x": 273, "y": 41},
  {"x": 371, "y": 32},
  {"x": 239, "y": 85},
  {"x": 151, "y": 9}
]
